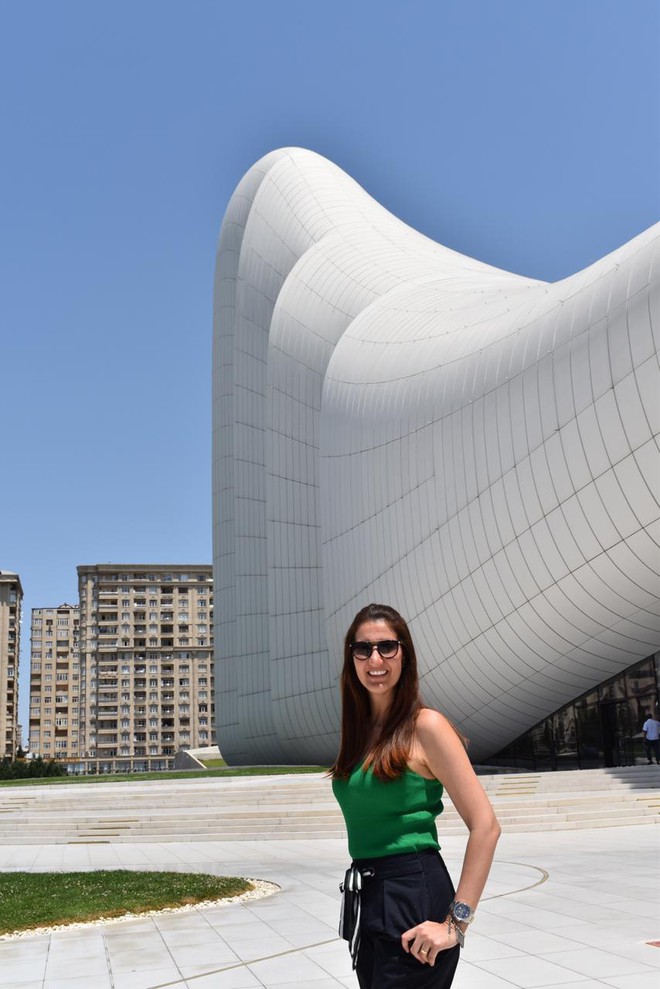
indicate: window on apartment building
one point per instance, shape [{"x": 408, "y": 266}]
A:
[{"x": 63, "y": 622}]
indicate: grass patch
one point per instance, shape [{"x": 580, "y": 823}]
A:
[
  {"x": 42, "y": 899},
  {"x": 176, "y": 774}
]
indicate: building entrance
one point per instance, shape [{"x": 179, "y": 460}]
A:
[
  {"x": 600, "y": 728},
  {"x": 618, "y": 744}
]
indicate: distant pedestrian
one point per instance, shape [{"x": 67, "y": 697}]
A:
[{"x": 651, "y": 729}]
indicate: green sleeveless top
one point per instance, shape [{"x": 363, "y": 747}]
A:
[{"x": 388, "y": 817}]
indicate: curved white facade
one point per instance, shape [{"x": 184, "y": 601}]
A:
[{"x": 396, "y": 422}]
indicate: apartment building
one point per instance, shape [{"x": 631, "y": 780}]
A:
[
  {"x": 55, "y": 682},
  {"x": 146, "y": 662},
  {"x": 11, "y": 597}
]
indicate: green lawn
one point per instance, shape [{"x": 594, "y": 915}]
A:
[
  {"x": 177, "y": 774},
  {"x": 42, "y": 899}
]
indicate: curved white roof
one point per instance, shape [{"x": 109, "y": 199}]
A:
[{"x": 396, "y": 422}]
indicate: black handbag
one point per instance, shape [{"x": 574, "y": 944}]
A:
[{"x": 349, "y": 917}]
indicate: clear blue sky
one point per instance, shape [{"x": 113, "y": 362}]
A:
[{"x": 524, "y": 133}]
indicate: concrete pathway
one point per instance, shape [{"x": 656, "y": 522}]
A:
[{"x": 560, "y": 908}]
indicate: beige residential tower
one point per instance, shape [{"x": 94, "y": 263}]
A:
[{"x": 11, "y": 597}]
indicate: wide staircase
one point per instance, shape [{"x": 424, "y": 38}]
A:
[{"x": 264, "y": 808}]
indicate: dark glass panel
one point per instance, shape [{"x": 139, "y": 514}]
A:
[
  {"x": 615, "y": 690},
  {"x": 589, "y": 733},
  {"x": 565, "y": 732},
  {"x": 641, "y": 679}
]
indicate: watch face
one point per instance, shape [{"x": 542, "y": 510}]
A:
[{"x": 462, "y": 911}]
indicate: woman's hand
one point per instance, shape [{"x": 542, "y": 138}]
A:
[{"x": 427, "y": 940}]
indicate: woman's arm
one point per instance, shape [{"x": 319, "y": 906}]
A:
[{"x": 442, "y": 752}]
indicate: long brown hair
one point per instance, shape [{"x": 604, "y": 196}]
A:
[{"x": 389, "y": 756}]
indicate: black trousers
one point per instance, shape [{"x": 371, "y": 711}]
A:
[
  {"x": 398, "y": 892},
  {"x": 652, "y": 747}
]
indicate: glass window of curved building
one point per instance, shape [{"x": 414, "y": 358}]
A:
[{"x": 601, "y": 728}]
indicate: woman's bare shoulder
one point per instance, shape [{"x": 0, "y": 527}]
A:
[{"x": 430, "y": 721}]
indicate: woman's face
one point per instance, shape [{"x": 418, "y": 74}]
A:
[{"x": 377, "y": 675}]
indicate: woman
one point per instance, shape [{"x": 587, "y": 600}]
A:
[{"x": 395, "y": 758}]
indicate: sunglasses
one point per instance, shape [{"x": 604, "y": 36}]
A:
[{"x": 387, "y": 649}]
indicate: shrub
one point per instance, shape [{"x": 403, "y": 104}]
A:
[{"x": 18, "y": 769}]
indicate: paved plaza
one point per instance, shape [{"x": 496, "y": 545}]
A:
[{"x": 561, "y": 907}]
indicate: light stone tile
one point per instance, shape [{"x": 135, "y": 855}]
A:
[
  {"x": 144, "y": 978},
  {"x": 642, "y": 952},
  {"x": 479, "y": 948},
  {"x": 288, "y": 970},
  {"x": 587, "y": 984},
  {"x": 135, "y": 960},
  {"x": 623, "y": 981},
  {"x": 102, "y": 981},
  {"x": 471, "y": 977},
  {"x": 239, "y": 978},
  {"x": 23, "y": 985},
  {"x": 208, "y": 955},
  {"x": 597, "y": 963},
  {"x": 529, "y": 972},
  {"x": 252, "y": 951},
  {"x": 16, "y": 972},
  {"x": 305, "y": 984},
  {"x": 334, "y": 958}
]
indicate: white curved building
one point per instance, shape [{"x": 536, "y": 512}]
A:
[{"x": 396, "y": 422}]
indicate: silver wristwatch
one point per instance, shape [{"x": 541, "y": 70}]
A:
[{"x": 461, "y": 912}]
